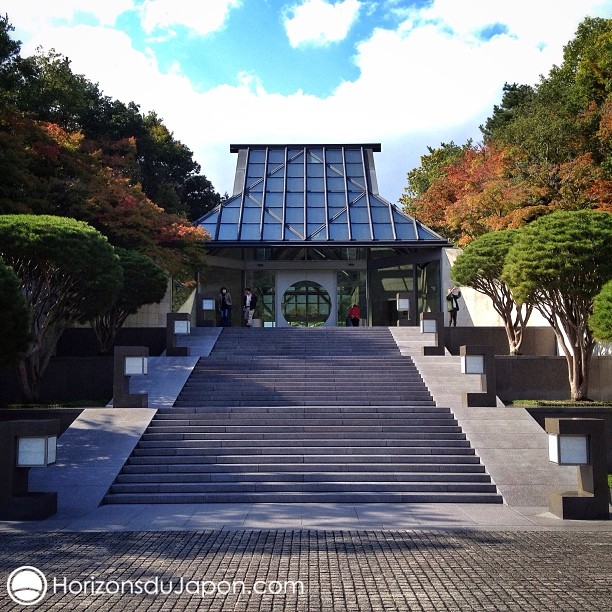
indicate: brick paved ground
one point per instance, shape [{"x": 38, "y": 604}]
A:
[{"x": 340, "y": 570}]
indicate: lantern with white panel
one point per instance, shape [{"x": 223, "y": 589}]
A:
[
  {"x": 428, "y": 326},
  {"x": 26, "y": 444},
  {"x": 130, "y": 361},
  {"x": 479, "y": 360},
  {"x": 472, "y": 364},
  {"x": 568, "y": 450},
  {"x": 206, "y": 311},
  {"x": 182, "y": 327},
  {"x": 36, "y": 451},
  {"x": 433, "y": 323},
  {"x": 580, "y": 442},
  {"x": 136, "y": 366},
  {"x": 177, "y": 324},
  {"x": 402, "y": 300}
]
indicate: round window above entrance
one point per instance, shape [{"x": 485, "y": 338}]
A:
[{"x": 306, "y": 304}]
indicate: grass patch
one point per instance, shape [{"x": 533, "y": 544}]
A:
[
  {"x": 574, "y": 403},
  {"x": 610, "y": 480}
]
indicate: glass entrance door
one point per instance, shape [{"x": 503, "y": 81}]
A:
[
  {"x": 306, "y": 298},
  {"x": 306, "y": 304}
]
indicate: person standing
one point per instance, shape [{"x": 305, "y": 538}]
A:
[
  {"x": 354, "y": 315},
  {"x": 452, "y": 305},
  {"x": 249, "y": 304},
  {"x": 224, "y": 303}
]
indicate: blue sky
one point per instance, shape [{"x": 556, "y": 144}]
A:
[{"x": 405, "y": 73}]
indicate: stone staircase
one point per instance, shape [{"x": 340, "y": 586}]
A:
[{"x": 304, "y": 415}]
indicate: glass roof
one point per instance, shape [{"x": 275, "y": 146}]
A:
[{"x": 310, "y": 193}]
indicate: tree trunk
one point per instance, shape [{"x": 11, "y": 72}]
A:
[
  {"x": 105, "y": 336},
  {"x": 32, "y": 366},
  {"x": 105, "y": 328},
  {"x": 29, "y": 378},
  {"x": 579, "y": 364},
  {"x": 515, "y": 337},
  {"x": 515, "y": 327}
]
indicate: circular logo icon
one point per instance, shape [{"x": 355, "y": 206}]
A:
[{"x": 26, "y": 585}]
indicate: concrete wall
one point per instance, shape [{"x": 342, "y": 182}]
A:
[
  {"x": 81, "y": 341},
  {"x": 66, "y": 379},
  {"x": 537, "y": 377},
  {"x": 536, "y": 340},
  {"x": 66, "y": 416},
  {"x": 152, "y": 315}
]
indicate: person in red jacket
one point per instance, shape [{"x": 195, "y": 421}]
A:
[{"x": 354, "y": 315}]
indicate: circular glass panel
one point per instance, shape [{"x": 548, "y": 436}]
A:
[{"x": 306, "y": 304}]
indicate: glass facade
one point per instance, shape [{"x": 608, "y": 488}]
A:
[
  {"x": 307, "y": 230},
  {"x": 310, "y": 193}
]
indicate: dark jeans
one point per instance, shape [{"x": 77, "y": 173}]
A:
[
  {"x": 452, "y": 318},
  {"x": 355, "y": 322},
  {"x": 226, "y": 317}
]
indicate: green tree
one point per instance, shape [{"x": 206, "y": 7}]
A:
[
  {"x": 601, "y": 319},
  {"x": 559, "y": 263},
  {"x": 480, "y": 266},
  {"x": 199, "y": 195},
  {"x": 144, "y": 282},
  {"x": 560, "y": 120},
  {"x": 14, "y": 322},
  {"x": 68, "y": 272},
  {"x": 515, "y": 97},
  {"x": 9, "y": 56}
]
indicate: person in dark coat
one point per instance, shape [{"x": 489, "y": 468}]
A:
[{"x": 224, "y": 304}]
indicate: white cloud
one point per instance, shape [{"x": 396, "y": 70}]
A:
[
  {"x": 200, "y": 16},
  {"x": 105, "y": 12},
  {"x": 318, "y": 22},
  {"x": 430, "y": 80}
]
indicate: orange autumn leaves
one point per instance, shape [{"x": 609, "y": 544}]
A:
[
  {"x": 491, "y": 187},
  {"x": 63, "y": 173}
]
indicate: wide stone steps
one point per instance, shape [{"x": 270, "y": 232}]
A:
[
  {"x": 304, "y": 367},
  {"x": 388, "y": 448},
  {"x": 306, "y": 444},
  {"x": 296, "y": 476},
  {"x": 233, "y": 470},
  {"x": 259, "y": 458},
  {"x": 305, "y": 487},
  {"x": 318, "y": 415},
  {"x": 291, "y": 436},
  {"x": 300, "y": 497}
]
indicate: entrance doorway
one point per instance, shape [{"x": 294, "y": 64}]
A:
[
  {"x": 306, "y": 298},
  {"x": 306, "y": 304}
]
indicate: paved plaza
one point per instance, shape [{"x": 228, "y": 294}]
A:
[{"x": 354, "y": 570}]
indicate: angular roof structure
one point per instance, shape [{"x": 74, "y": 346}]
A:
[{"x": 315, "y": 194}]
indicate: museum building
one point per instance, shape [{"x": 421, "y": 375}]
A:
[{"x": 308, "y": 232}]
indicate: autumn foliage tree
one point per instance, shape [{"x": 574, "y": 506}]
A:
[
  {"x": 70, "y": 151},
  {"x": 83, "y": 173},
  {"x": 546, "y": 148}
]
